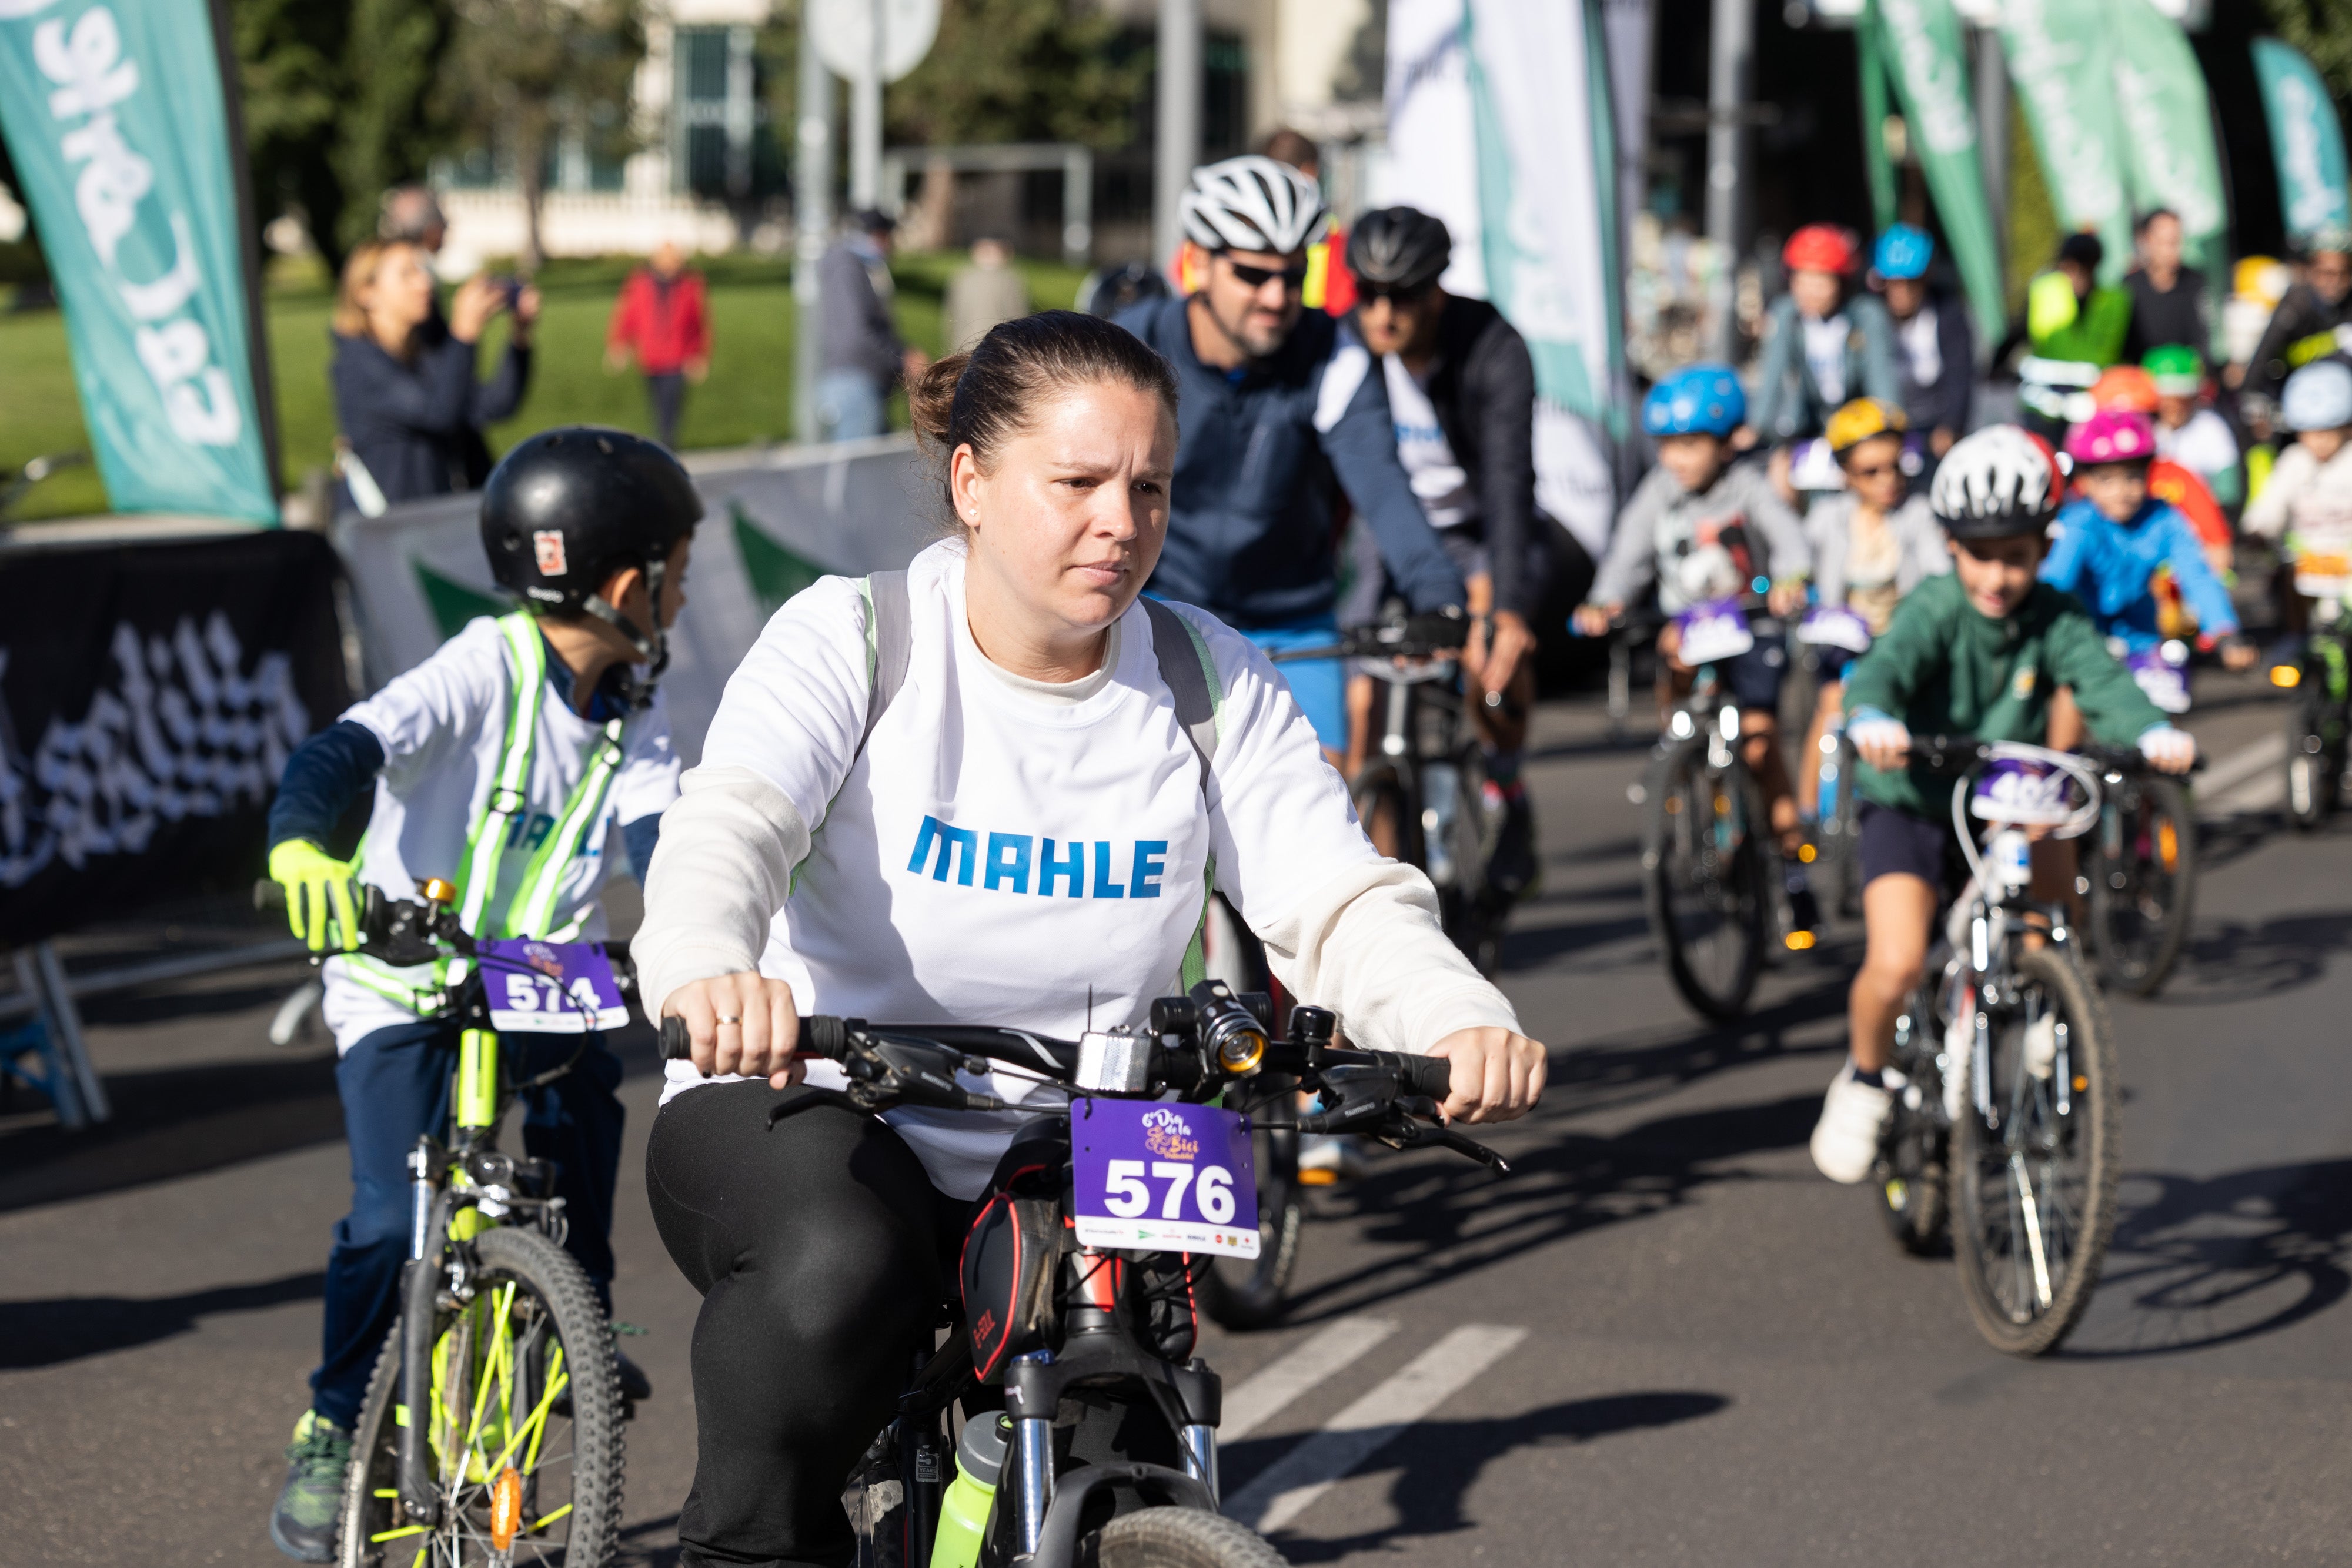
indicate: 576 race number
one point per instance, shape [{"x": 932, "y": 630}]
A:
[{"x": 1163, "y": 1178}]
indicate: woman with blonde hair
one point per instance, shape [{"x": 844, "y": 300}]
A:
[{"x": 408, "y": 408}]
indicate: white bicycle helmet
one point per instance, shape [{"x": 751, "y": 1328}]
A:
[
  {"x": 2002, "y": 480},
  {"x": 2319, "y": 397},
  {"x": 1252, "y": 203}
]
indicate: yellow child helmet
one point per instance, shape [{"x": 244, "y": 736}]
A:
[{"x": 1860, "y": 420}]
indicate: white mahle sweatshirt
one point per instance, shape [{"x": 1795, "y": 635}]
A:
[{"x": 1006, "y": 852}]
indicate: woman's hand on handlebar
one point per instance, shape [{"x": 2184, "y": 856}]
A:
[
  {"x": 1787, "y": 598},
  {"x": 1884, "y": 743},
  {"x": 1498, "y": 1076},
  {"x": 744, "y": 1023},
  {"x": 1592, "y": 620}
]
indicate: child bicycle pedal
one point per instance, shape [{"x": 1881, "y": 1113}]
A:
[
  {"x": 1977, "y": 652},
  {"x": 510, "y": 761}
]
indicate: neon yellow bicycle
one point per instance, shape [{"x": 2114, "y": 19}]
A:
[{"x": 491, "y": 1433}]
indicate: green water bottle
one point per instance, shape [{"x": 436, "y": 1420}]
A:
[{"x": 963, "y": 1512}]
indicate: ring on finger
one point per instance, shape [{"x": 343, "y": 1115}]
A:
[{"x": 731, "y": 1017}]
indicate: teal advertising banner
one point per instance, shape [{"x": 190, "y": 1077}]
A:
[
  {"x": 125, "y": 144},
  {"x": 2063, "y": 61},
  {"x": 2306, "y": 140},
  {"x": 1923, "y": 49},
  {"x": 2168, "y": 128}
]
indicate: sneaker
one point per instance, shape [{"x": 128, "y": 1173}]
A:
[
  {"x": 310, "y": 1503},
  {"x": 1845, "y": 1140},
  {"x": 1326, "y": 1159},
  {"x": 1512, "y": 869},
  {"x": 2041, "y": 1046}
]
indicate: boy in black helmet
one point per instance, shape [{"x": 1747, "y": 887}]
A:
[{"x": 590, "y": 529}]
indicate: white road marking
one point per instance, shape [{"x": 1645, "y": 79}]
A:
[
  {"x": 1290, "y": 1486},
  {"x": 1275, "y": 1385}
]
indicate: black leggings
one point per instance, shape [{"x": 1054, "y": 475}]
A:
[{"x": 823, "y": 1252}]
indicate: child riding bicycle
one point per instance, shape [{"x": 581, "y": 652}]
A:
[
  {"x": 1700, "y": 529},
  {"x": 2308, "y": 501},
  {"x": 1978, "y": 653},
  {"x": 1874, "y": 542},
  {"x": 509, "y": 762},
  {"x": 2113, "y": 538}
]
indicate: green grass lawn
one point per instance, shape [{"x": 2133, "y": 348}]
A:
[{"x": 747, "y": 399}]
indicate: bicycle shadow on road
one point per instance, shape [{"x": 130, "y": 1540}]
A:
[
  {"x": 1437, "y": 1462},
  {"x": 70, "y": 1328},
  {"x": 2202, "y": 1261},
  {"x": 2231, "y": 962},
  {"x": 1452, "y": 1219}
]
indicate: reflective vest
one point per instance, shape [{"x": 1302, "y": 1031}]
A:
[{"x": 425, "y": 988}]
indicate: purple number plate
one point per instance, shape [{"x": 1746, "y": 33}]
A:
[
  {"x": 1164, "y": 1178},
  {"x": 550, "y": 988}
]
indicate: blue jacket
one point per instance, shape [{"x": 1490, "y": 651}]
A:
[
  {"x": 2106, "y": 565},
  {"x": 1250, "y": 531}
]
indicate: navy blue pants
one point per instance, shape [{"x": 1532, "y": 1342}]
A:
[{"x": 395, "y": 1086}]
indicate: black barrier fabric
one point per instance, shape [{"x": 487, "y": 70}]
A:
[{"x": 149, "y": 696}]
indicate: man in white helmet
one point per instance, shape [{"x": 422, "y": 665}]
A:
[{"x": 1277, "y": 402}]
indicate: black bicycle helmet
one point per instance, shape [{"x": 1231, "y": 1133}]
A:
[
  {"x": 568, "y": 507},
  {"x": 2002, "y": 480},
  {"x": 1110, "y": 293},
  {"x": 1401, "y": 249}
]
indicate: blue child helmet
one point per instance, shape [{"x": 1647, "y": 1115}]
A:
[
  {"x": 1703, "y": 399},
  {"x": 1904, "y": 251},
  {"x": 2317, "y": 397}
]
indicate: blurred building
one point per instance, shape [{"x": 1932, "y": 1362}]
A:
[{"x": 712, "y": 170}]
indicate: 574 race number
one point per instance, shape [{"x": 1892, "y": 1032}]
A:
[{"x": 1163, "y": 1178}]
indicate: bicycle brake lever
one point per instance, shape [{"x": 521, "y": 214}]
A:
[{"x": 1419, "y": 1134}]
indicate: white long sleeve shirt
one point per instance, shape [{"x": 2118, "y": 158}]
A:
[{"x": 1000, "y": 854}]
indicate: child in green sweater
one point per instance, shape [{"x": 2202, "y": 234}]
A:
[{"x": 1976, "y": 652}]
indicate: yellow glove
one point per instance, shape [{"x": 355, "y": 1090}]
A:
[{"x": 316, "y": 885}]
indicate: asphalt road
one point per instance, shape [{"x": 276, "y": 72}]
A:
[{"x": 1664, "y": 1340}]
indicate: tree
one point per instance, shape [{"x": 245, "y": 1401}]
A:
[
  {"x": 2323, "y": 30},
  {"x": 1019, "y": 70},
  {"x": 523, "y": 74},
  {"x": 336, "y": 112}
]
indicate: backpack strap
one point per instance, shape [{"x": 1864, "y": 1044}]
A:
[
  {"x": 889, "y": 643},
  {"x": 1191, "y": 679}
]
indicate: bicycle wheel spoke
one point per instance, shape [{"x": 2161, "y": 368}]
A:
[{"x": 2030, "y": 1211}]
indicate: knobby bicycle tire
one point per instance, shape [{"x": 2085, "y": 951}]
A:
[
  {"x": 1176, "y": 1538},
  {"x": 2139, "y": 927},
  {"x": 587, "y": 1408},
  {"x": 1911, "y": 1178},
  {"x": 2312, "y": 767},
  {"x": 1712, "y": 876},
  {"x": 2029, "y": 1270},
  {"x": 1250, "y": 1293}
]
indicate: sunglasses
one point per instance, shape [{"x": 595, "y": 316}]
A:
[
  {"x": 1259, "y": 277},
  {"x": 1369, "y": 292}
]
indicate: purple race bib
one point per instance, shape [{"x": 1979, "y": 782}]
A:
[
  {"x": 550, "y": 988},
  {"x": 1164, "y": 1178},
  {"x": 2165, "y": 682},
  {"x": 1713, "y": 631}
]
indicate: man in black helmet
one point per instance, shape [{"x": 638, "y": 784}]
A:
[
  {"x": 1462, "y": 392},
  {"x": 513, "y": 762}
]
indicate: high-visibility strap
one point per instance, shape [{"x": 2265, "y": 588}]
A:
[
  {"x": 397, "y": 986},
  {"x": 478, "y": 878},
  {"x": 542, "y": 880}
]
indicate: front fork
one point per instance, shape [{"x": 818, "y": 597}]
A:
[{"x": 433, "y": 1224}]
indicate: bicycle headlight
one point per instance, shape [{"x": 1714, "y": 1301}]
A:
[
  {"x": 1240, "y": 1051},
  {"x": 438, "y": 890},
  {"x": 2285, "y": 677}
]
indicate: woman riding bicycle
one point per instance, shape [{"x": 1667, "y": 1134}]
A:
[
  {"x": 963, "y": 794},
  {"x": 509, "y": 762},
  {"x": 1873, "y": 543},
  {"x": 1976, "y": 652}
]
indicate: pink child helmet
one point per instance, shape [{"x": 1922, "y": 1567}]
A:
[{"x": 2112, "y": 435}]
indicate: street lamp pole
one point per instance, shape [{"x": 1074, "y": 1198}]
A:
[
  {"x": 812, "y": 223},
  {"x": 1179, "y": 122},
  {"x": 1731, "y": 75}
]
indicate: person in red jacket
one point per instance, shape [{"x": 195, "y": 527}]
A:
[{"x": 661, "y": 321}]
